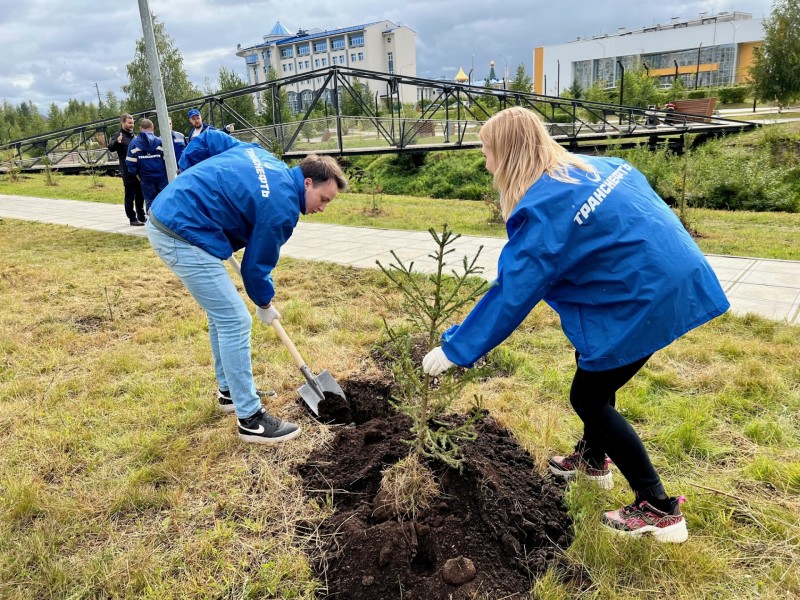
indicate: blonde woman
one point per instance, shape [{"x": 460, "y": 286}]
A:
[{"x": 590, "y": 237}]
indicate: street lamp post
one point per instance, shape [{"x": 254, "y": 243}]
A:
[{"x": 697, "y": 69}]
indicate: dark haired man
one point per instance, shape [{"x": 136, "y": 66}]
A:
[
  {"x": 134, "y": 199},
  {"x": 232, "y": 195}
]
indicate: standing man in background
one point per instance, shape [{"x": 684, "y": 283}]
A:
[
  {"x": 198, "y": 127},
  {"x": 134, "y": 199},
  {"x": 145, "y": 160}
]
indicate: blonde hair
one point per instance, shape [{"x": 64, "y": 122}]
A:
[{"x": 523, "y": 151}]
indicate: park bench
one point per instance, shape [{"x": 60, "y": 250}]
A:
[{"x": 694, "y": 106}]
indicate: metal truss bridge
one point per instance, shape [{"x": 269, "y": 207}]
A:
[{"x": 445, "y": 116}]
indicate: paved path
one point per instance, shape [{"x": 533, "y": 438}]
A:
[{"x": 770, "y": 288}]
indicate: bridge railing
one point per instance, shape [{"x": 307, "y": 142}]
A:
[{"x": 449, "y": 117}]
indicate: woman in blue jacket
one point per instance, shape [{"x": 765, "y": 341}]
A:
[
  {"x": 592, "y": 239},
  {"x": 231, "y": 195}
]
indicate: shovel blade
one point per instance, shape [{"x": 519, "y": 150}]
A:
[{"x": 325, "y": 383}]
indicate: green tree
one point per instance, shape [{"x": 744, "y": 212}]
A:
[
  {"x": 640, "y": 88},
  {"x": 228, "y": 81},
  {"x": 284, "y": 113},
  {"x": 177, "y": 86},
  {"x": 522, "y": 81},
  {"x": 776, "y": 69},
  {"x": 678, "y": 89},
  {"x": 352, "y": 105},
  {"x": 575, "y": 90}
]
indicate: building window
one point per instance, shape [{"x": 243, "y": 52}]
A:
[
  {"x": 390, "y": 61},
  {"x": 252, "y": 58},
  {"x": 303, "y": 50},
  {"x": 361, "y": 55},
  {"x": 337, "y": 43},
  {"x": 291, "y": 67},
  {"x": 316, "y": 63},
  {"x": 324, "y": 62},
  {"x": 388, "y": 40},
  {"x": 293, "y": 102},
  {"x": 356, "y": 40},
  {"x": 321, "y": 46},
  {"x": 284, "y": 68},
  {"x": 308, "y": 64},
  {"x": 287, "y": 52},
  {"x": 353, "y": 57}
]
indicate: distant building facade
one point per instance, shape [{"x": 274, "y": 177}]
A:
[
  {"x": 713, "y": 50},
  {"x": 380, "y": 46}
]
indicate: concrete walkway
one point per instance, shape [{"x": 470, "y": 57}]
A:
[{"x": 770, "y": 288}]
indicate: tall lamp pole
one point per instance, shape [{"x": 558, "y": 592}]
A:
[
  {"x": 697, "y": 69},
  {"x": 158, "y": 90}
]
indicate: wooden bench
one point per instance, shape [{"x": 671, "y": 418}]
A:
[{"x": 694, "y": 106}]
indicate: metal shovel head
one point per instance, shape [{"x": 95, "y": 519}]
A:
[{"x": 313, "y": 395}]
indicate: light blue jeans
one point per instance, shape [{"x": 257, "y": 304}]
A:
[{"x": 229, "y": 321}]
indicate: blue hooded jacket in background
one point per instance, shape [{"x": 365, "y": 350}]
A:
[
  {"x": 146, "y": 159},
  {"x": 232, "y": 195},
  {"x": 609, "y": 256}
]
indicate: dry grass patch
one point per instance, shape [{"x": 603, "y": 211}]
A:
[{"x": 118, "y": 478}]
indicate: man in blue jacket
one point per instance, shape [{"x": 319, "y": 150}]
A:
[
  {"x": 146, "y": 161},
  {"x": 591, "y": 238},
  {"x": 232, "y": 195}
]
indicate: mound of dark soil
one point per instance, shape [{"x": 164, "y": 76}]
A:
[{"x": 496, "y": 527}]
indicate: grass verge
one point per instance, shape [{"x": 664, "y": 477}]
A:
[{"x": 119, "y": 479}]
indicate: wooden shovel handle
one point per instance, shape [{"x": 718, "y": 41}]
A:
[{"x": 276, "y": 325}]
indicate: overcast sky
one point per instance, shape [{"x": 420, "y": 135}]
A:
[{"x": 51, "y": 51}]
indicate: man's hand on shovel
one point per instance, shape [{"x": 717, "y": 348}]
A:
[{"x": 267, "y": 314}]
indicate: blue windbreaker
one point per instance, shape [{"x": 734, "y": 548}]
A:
[
  {"x": 146, "y": 157},
  {"x": 229, "y": 195},
  {"x": 609, "y": 256}
]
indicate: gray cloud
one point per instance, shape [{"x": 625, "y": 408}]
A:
[{"x": 52, "y": 53}]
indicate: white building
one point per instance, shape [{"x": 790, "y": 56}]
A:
[
  {"x": 380, "y": 46},
  {"x": 712, "y": 50}
]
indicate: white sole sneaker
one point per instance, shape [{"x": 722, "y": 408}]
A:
[
  {"x": 605, "y": 482},
  {"x": 673, "y": 534},
  {"x": 260, "y": 439}
]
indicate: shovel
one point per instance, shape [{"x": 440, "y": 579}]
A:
[{"x": 313, "y": 391}]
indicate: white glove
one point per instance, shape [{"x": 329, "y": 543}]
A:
[
  {"x": 267, "y": 315},
  {"x": 435, "y": 362}
]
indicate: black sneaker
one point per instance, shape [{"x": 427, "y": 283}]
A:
[
  {"x": 263, "y": 428},
  {"x": 136, "y": 223},
  {"x": 225, "y": 402}
]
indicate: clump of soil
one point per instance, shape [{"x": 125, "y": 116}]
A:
[{"x": 497, "y": 526}]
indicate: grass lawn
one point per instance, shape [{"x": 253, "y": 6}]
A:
[
  {"x": 740, "y": 233},
  {"x": 118, "y": 478}
]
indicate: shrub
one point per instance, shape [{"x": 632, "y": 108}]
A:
[
  {"x": 732, "y": 95},
  {"x": 697, "y": 94}
]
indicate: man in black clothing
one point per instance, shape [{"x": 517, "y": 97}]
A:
[{"x": 133, "y": 189}]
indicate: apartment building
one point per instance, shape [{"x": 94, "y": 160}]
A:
[
  {"x": 379, "y": 46},
  {"x": 712, "y": 50}
]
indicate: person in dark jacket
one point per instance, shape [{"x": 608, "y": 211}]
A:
[
  {"x": 591, "y": 238},
  {"x": 145, "y": 160},
  {"x": 197, "y": 125},
  {"x": 134, "y": 199},
  {"x": 232, "y": 195}
]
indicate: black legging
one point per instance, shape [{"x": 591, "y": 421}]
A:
[{"x": 605, "y": 431}]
